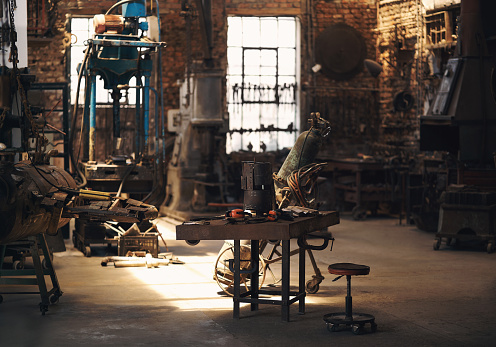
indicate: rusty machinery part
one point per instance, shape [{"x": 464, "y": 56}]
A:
[
  {"x": 340, "y": 50},
  {"x": 302, "y": 182},
  {"x": 109, "y": 23},
  {"x": 258, "y": 186},
  {"x": 403, "y": 101},
  {"x": 29, "y": 203},
  {"x": 225, "y": 277},
  {"x": 302, "y": 154},
  {"x": 114, "y": 209}
]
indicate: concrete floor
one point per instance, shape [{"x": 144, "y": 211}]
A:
[{"x": 419, "y": 297}]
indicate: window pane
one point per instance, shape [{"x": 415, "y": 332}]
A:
[
  {"x": 268, "y": 57},
  {"x": 252, "y": 62},
  {"x": 287, "y": 33},
  {"x": 234, "y": 31},
  {"x": 251, "y": 116},
  {"x": 268, "y": 28},
  {"x": 287, "y": 60},
  {"x": 251, "y": 32},
  {"x": 234, "y": 60}
]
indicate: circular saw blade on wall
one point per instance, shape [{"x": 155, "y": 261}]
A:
[{"x": 340, "y": 49}]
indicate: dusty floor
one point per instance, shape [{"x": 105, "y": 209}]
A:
[{"x": 419, "y": 297}]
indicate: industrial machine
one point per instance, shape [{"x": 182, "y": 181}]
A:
[
  {"x": 37, "y": 198},
  {"x": 462, "y": 121},
  {"x": 193, "y": 178},
  {"x": 120, "y": 53}
]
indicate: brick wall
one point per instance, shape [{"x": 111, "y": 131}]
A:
[
  {"x": 359, "y": 113},
  {"x": 396, "y": 46}
]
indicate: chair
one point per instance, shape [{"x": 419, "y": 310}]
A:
[{"x": 349, "y": 320}]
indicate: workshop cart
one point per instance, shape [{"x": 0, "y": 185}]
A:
[
  {"x": 87, "y": 233},
  {"x": 18, "y": 276},
  {"x": 467, "y": 215}
]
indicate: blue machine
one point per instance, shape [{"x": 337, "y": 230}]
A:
[{"x": 116, "y": 54}]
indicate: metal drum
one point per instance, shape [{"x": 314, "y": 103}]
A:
[
  {"x": 27, "y": 205},
  {"x": 258, "y": 186}
]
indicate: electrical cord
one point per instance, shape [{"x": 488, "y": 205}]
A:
[
  {"x": 73, "y": 124},
  {"x": 114, "y": 6}
]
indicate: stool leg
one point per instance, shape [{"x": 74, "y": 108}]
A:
[{"x": 349, "y": 305}]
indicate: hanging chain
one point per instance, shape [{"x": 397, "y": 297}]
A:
[{"x": 41, "y": 140}]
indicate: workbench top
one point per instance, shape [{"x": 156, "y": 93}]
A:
[{"x": 268, "y": 230}]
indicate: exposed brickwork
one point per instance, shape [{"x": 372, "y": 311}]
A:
[
  {"x": 396, "y": 47},
  {"x": 48, "y": 61}
]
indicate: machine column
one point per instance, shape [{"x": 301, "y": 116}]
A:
[
  {"x": 92, "y": 118},
  {"x": 146, "y": 112}
]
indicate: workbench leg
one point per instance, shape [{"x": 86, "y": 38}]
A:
[
  {"x": 48, "y": 260},
  {"x": 40, "y": 275},
  {"x": 254, "y": 276},
  {"x": 301, "y": 281},
  {"x": 237, "y": 278},
  {"x": 285, "y": 280}
]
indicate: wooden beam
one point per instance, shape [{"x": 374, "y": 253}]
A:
[{"x": 263, "y": 12}]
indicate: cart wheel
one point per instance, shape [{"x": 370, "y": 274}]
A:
[
  {"x": 358, "y": 329},
  {"x": 332, "y": 327},
  {"x": 437, "y": 243},
  {"x": 224, "y": 276},
  {"x": 43, "y": 308},
  {"x": 311, "y": 287},
  {"x": 490, "y": 247},
  {"x": 359, "y": 213},
  {"x": 373, "y": 327},
  {"x": 87, "y": 251},
  {"x": 54, "y": 299},
  {"x": 18, "y": 265}
]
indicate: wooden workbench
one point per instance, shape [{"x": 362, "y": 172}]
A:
[{"x": 281, "y": 230}]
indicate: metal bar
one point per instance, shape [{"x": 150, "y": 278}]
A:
[
  {"x": 124, "y": 43},
  {"x": 138, "y": 117},
  {"x": 40, "y": 275},
  {"x": 254, "y": 275},
  {"x": 205, "y": 17},
  {"x": 20, "y": 281},
  {"x": 92, "y": 119},
  {"x": 2, "y": 256},
  {"x": 65, "y": 122},
  {"x": 146, "y": 110},
  {"x": 49, "y": 265},
  {"x": 301, "y": 280},
  {"x": 285, "y": 280},
  {"x": 237, "y": 279},
  {"x": 349, "y": 305}
]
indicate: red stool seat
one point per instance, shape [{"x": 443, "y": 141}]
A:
[
  {"x": 349, "y": 320},
  {"x": 344, "y": 269}
]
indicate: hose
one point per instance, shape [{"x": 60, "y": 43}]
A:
[
  {"x": 74, "y": 119},
  {"x": 114, "y": 6}
]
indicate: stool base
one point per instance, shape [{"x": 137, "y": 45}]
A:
[{"x": 339, "y": 322}]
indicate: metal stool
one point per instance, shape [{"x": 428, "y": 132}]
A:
[{"x": 348, "y": 319}]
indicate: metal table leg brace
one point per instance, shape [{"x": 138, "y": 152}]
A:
[{"x": 252, "y": 296}]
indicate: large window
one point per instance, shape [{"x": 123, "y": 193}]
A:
[{"x": 262, "y": 82}]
